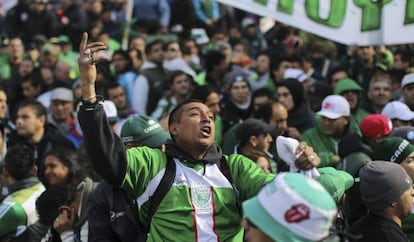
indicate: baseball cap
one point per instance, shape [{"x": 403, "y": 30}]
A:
[
  {"x": 39, "y": 39},
  {"x": 346, "y": 84},
  {"x": 297, "y": 74},
  {"x": 63, "y": 39},
  {"x": 48, "y": 49},
  {"x": 335, "y": 106},
  {"x": 253, "y": 127},
  {"x": 61, "y": 94},
  {"x": 394, "y": 149},
  {"x": 110, "y": 111},
  {"x": 405, "y": 132},
  {"x": 304, "y": 211},
  {"x": 336, "y": 182},
  {"x": 144, "y": 130},
  {"x": 407, "y": 80},
  {"x": 374, "y": 125},
  {"x": 398, "y": 110},
  {"x": 382, "y": 183}
]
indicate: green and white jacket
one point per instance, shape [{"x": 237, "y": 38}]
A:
[
  {"x": 18, "y": 210},
  {"x": 201, "y": 204}
]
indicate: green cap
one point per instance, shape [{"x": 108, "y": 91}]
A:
[
  {"x": 336, "y": 182},
  {"x": 48, "y": 49},
  {"x": 346, "y": 84},
  {"x": 394, "y": 149},
  {"x": 145, "y": 131},
  {"x": 63, "y": 39}
]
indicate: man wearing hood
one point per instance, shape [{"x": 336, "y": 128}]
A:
[{"x": 352, "y": 92}]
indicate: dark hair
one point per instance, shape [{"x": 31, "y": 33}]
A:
[
  {"x": 213, "y": 58},
  {"x": 38, "y": 107},
  {"x": 405, "y": 55},
  {"x": 48, "y": 203},
  {"x": 68, "y": 158},
  {"x": 111, "y": 85},
  {"x": 19, "y": 161},
  {"x": 333, "y": 71},
  {"x": 35, "y": 78},
  {"x": 263, "y": 92},
  {"x": 173, "y": 75},
  {"x": 175, "y": 114},
  {"x": 265, "y": 111},
  {"x": 275, "y": 62},
  {"x": 202, "y": 92},
  {"x": 296, "y": 90},
  {"x": 126, "y": 56},
  {"x": 148, "y": 46}
]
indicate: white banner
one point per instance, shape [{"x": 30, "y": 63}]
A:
[{"x": 362, "y": 22}]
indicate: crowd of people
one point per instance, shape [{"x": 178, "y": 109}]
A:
[{"x": 202, "y": 126}]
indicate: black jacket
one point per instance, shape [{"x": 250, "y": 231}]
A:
[{"x": 117, "y": 225}]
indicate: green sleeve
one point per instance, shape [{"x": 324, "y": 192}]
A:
[
  {"x": 321, "y": 145},
  {"x": 247, "y": 176},
  {"x": 13, "y": 220},
  {"x": 144, "y": 164}
]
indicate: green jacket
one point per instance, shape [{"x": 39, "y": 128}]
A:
[
  {"x": 18, "y": 210},
  {"x": 5, "y": 68},
  {"x": 325, "y": 146},
  {"x": 359, "y": 114},
  {"x": 218, "y": 137},
  {"x": 408, "y": 227},
  {"x": 203, "y": 205}
]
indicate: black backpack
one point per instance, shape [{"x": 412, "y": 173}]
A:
[{"x": 159, "y": 194}]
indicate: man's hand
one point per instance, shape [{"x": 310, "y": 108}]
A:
[
  {"x": 88, "y": 56},
  {"x": 308, "y": 158}
]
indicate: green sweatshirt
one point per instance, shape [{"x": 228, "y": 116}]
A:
[
  {"x": 201, "y": 203},
  {"x": 325, "y": 146},
  {"x": 18, "y": 210}
]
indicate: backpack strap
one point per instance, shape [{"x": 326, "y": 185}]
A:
[
  {"x": 225, "y": 170},
  {"x": 162, "y": 189},
  {"x": 88, "y": 189}
]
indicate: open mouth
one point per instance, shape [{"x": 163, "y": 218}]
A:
[{"x": 206, "y": 131}]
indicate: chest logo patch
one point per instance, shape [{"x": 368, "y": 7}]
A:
[{"x": 201, "y": 199}]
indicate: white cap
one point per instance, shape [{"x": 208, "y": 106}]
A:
[
  {"x": 407, "y": 80},
  {"x": 298, "y": 74},
  {"x": 61, "y": 94},
  {"x": 398, "y": 110},
  {"x": 110, "y": 110},
  {"x": 335, "y": 106}
]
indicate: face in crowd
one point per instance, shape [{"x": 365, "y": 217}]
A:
[{"x": 193, "y": 127}]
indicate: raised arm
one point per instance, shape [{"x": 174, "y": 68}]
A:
[{"x": 105, "y": 149}]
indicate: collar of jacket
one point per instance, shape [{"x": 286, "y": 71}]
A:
[
  {"x": 212, "y": 156},
  {"x": 22, "y": 184}
]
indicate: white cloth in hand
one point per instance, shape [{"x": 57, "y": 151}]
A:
[{"x": 286, "y": 148}]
